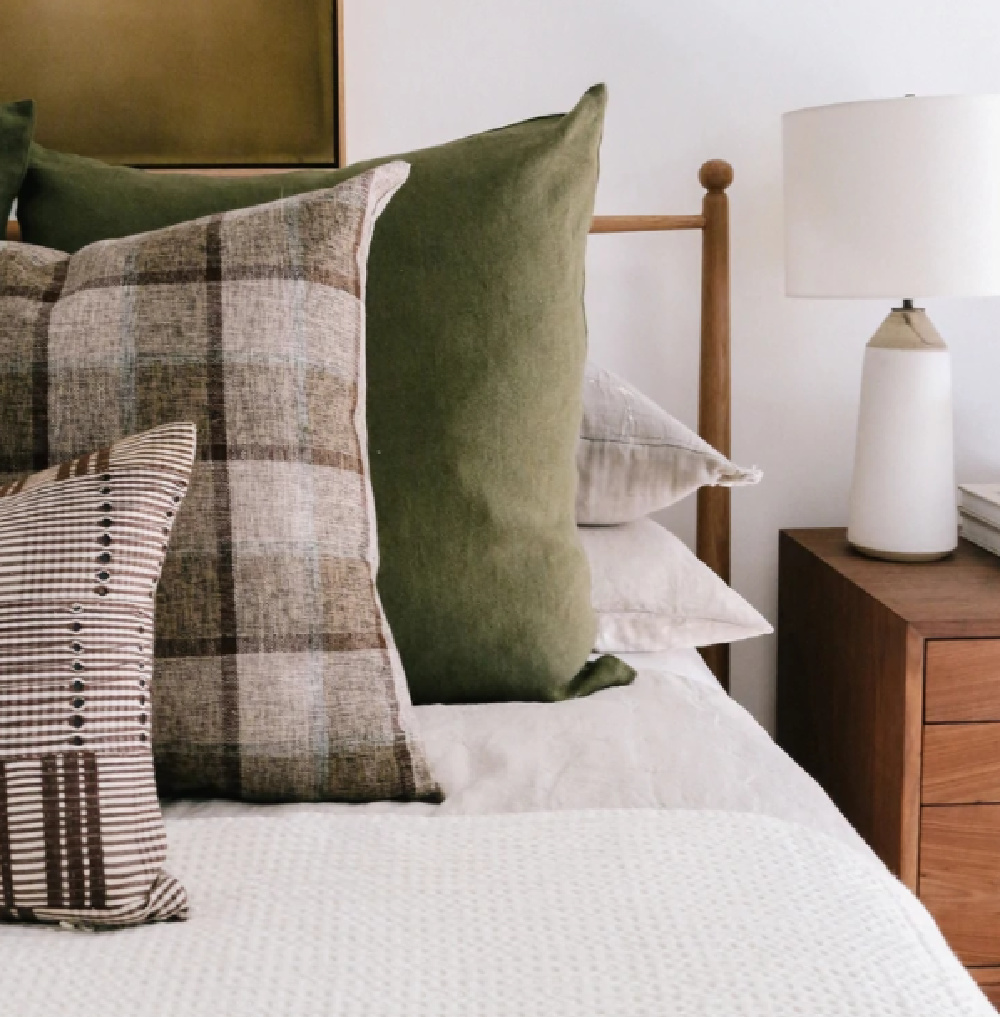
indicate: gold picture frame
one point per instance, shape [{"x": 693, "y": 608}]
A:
[{"x": 187, "y": 83}]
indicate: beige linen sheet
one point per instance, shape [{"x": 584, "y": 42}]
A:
[{"x": 671, "y": 740}]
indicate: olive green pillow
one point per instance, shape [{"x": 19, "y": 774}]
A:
[
  {"x": 17, "y": 124},
  {"x": 476, "y": 347}
]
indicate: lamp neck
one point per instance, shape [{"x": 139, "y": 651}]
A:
[
  {"x": 907, "y": 328},
  {"x": 908, "y": 305}
]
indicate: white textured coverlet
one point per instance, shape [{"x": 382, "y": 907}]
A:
[{"x": 627, "y": 913}]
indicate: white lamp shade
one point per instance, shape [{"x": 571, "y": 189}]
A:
[{"x": 893, "y": 198}]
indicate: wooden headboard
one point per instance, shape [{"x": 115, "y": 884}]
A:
[
  {"x": 714, "y": 396},
  {"x": 714, "y": 530}
]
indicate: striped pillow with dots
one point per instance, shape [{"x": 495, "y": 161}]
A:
[{"x": 82, "y": 840}]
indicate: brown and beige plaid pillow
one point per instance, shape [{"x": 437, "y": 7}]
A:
[
  {"x": 277, "y": 676},
  {"x": 81, "y": 548}
]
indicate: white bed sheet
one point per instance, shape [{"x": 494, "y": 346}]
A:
[
  {"x": 686, "y": 662},
  {"x": 671, "y": 740}
]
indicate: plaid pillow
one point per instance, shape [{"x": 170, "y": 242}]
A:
[
  {"x": 81, "y": 547},
  {"x": 277, "y": 676}
]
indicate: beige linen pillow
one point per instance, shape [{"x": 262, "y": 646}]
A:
[
  {"x": 651, "y": 593},
  {"x": 634, "y": 458}
]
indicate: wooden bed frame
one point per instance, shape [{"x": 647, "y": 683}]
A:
[
  {"x": 714, "y": 395},
  {"x": 714, "y": 528}
]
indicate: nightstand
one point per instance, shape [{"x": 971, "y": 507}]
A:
[{"x": 889, "y": 695}]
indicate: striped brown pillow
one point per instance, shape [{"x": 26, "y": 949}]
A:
[
  {"x": 81, "y": 548},
  {"x": 277, "y": 677}
]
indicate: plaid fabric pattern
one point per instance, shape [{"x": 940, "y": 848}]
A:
[
  {"x": 277, "y": 677},
  {"x": 81, "y": 548}
]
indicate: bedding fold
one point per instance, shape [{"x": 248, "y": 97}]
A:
[{"x": 671, "y": 740}]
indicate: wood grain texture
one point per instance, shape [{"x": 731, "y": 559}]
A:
[
  {"x": 988, "y": 979},
  {"x": 645, "y": 223},
  {"x": 714, "y": 522},
  {"x": 849, "y": 700},
  {"x": 960, "y": 877},
  {"x": 963, "y": 680},
  {"x": 873, "y": 657},
  {"x": 961, "y": 764},
  {"x": 222, "y": 171},
  {"x": 717, "y": 659},
  {"x": 992, "y": 992},
  {"x": 600, "y": 224},
  {"x": 913, "y": 746},
  {"x": 956, "y": 598}
]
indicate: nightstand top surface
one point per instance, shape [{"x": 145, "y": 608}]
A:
[{"x": 954, "y": 597}]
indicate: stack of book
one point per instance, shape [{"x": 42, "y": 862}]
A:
[{"x": 979, "y": 514}]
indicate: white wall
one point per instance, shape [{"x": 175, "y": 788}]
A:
[{"x": 689, "y": 81}]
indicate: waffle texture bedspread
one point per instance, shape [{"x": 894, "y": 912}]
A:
[{"x": 626, "y": 913}]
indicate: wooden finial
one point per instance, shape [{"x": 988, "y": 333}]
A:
[{"x": 716, "y": 175}]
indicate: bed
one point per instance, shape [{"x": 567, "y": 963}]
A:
[{"x": 646, "y": 850}]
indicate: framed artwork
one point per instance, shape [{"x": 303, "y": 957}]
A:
[{"x": 186, "y": 83}]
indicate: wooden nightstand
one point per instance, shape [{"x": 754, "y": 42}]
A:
[{"x": 889, "y": 695}]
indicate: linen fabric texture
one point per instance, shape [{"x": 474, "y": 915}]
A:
[
  {"x": 651, "y": 593},
  {"x": 81, "y": 545},
  {"x": 476, "y": 346},
  {"x": 277, "y": 675},
  {"x": 634, "y": 458},
  {"x": 17, "y": 125}
]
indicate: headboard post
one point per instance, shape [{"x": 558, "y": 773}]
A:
[{"x": 714, "y": 391}]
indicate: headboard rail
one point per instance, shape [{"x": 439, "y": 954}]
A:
[{"x": 713, "y": 541}]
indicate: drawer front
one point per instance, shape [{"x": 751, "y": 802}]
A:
[
  {"x": 992, "y": 992},
  {"x": 988, "y": 979},
  {"x": 960, "y": 877},
  {"x": 962, "y": 680},
  {"x": 961, "y": 764}
]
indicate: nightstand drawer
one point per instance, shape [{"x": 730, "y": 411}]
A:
[
  {"x": 988, "y": 979},
  {"x": 962, "y": 680},
  {"x": 960, "y": 877},
  {"x": 961, "y": 764}
]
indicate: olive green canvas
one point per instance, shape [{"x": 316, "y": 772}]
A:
[
  {"x": 476, "y": 347},
  {"x": 17, "y": 123}
]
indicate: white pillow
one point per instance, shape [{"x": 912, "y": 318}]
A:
[
  {"x": 633, "y": 458},
  {"x": 651, "y": 593}
]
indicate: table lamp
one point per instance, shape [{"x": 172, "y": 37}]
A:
[{"x": 897, "y": 198}]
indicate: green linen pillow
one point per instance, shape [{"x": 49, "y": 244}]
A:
[
  {"x": 476, "y": 347},
  {"x": 17, "y": 124}
]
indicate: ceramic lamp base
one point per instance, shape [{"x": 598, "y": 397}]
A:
[
  {"x": 907, "y": 558},
  {"x": 903, "y": 498}
]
